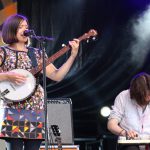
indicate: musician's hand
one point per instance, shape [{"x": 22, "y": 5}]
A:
[
  {"x": 75, "y": 47},
  {"x": 132, "y": 134},
  {"x": 16, "y": 78}
]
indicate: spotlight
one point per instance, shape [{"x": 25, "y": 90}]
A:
[{"x": 105, "y": 111}]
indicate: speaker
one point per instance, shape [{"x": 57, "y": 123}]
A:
[{"x": 59, "y": 111}]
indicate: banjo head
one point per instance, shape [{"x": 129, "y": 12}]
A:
[{"x": 17, "y": 93}]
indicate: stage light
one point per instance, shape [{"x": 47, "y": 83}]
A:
[{"x": 105, "y": 111}]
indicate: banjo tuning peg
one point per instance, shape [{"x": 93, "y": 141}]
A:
[{"x": 63, "y": 45}]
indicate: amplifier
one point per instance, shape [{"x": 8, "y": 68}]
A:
[{"x": 59, "y": 111}]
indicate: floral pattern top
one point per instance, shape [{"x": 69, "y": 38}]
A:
[{"x": 13, "y": 59}]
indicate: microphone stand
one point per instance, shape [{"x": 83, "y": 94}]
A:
[{"x": 41, "y": 40}]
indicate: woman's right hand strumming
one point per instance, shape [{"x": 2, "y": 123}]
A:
[{"x": 13, "y": 77}]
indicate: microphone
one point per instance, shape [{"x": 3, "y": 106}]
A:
[
  {"x": 29, "y": 33},
  {"x": 32, "y": 34}
]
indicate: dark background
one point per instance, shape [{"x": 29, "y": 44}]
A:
[{"x": 103, "y": 67}]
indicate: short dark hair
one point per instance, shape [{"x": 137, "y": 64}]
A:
[
  {"x": 10, "y": 26},
  {"x": 139, "y": 86}
]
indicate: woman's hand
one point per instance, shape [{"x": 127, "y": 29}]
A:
[
  {"x": 75, "y": 47},
  {"x": 15, "y": 78}
]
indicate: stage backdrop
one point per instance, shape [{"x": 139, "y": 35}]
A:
[{"x": 103, "y": 67}]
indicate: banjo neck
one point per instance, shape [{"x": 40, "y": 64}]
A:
[
  {"x": 62, "y": 51},
  {"x": 51, "y": 59}
]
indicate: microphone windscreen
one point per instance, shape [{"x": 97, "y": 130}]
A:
[{"x": 28, "y": 32}]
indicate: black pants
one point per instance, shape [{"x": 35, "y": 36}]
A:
[{"x": 18, "y": 144}]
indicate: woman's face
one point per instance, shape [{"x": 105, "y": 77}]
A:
[{"x": 20, "y": 31}]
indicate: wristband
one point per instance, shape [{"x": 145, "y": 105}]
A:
[{"x": 121, "y": 132}]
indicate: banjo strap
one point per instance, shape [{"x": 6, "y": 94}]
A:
[{"x": 32, "y": 56}]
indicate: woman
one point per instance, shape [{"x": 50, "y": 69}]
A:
[
  {"x": 130, "y": 116},
  {"x": 22, "y": 124}
]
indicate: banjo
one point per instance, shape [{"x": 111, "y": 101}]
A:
[{"x": 15, "y": 93}]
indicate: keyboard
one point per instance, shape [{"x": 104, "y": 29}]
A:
[{"x": 138, "y": 140}]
